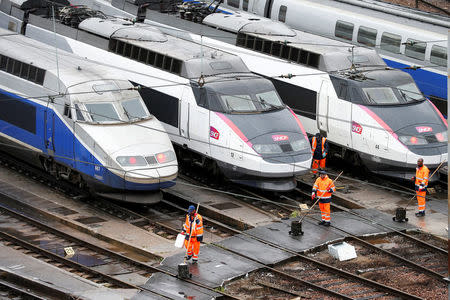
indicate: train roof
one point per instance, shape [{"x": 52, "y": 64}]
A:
[
  {"x": 336, "y": 55},
  {"x": 194, "y": 59},
  {"x": 73, "y": 71}
]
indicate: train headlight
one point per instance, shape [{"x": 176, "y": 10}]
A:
[
  {"x": 300, "y": 145},
  {"x": 409, "y": 140},
  {"x": 165, "y": 157},
  {"x": 442, "y": 136},
  {"x": 131, "y": 161},
  {"x": 267, "y": 148}
]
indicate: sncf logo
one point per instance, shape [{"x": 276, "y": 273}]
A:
[
  {"x": 280, "y": 137},
  {"x": 214, "y": 133},
  {"x": 421, "y": 129},
  {"x": 356, "y": 128}
]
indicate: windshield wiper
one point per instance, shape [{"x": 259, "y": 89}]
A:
[
  {"x": 126, "y": 113},
  {"x": 272, "y": 107},
  {"x": 409, "y": 97}
]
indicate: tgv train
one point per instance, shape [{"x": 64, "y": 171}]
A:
[
  {"x": 355, "y": 109},
  {"x": 404, "y": 40},
  {"x": 81, "y": 122},
  {"x": 217, "y": 113}
]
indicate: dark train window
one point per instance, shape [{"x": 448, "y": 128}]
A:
[
  {"x": 301, "y": 100},
  {"x": 67, "y": 111},
  {"x": 135, "y": 52},
  {"x": 233, "y": 3},
  {"x": 3, "y": 62},
  {"x": 367, "y": 36},
  {"x": 344, "y": 30},
  {"x": 282, "y": 13},
  {"x": 390, "y": 42},
  {"x": 10, "y": 109},
  {"x": 143, "y": 55},
  {"x": 415, "y": 49},
  {"x": 438, "y": 55},
  {"x": 245, "y": 5},
  {"x": 164, "y": 107},
  {"x": 23, "y": 70}
]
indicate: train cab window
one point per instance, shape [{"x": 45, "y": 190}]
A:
[
  {"x": 390, "y": 42},
  {"x": 233, "y": 3},
  {"x": 79, "y": 113},
  {"x": 245, "y": 5},
  {"x": 102, "y": 112},
  {"x": 415, "y": 49},
  {"x": 367, "y": 36},
  {"x": 282, "y": 14},
  {"x": 438, "y": 55},
  {"x": 344, "y": 30},
  {"x": 134, "y": 109}
]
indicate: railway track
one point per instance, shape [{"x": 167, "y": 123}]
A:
[{"x": 90, "y": 261}]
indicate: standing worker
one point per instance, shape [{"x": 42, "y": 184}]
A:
[
  {"x": 319, "y": 147},
  {"x": 193, "y": 228},
  {"x": 322, "y": 189},
  {"x": 421, "y": 183}
]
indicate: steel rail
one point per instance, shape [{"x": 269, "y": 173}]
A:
[{"x": 104, "y": 251}]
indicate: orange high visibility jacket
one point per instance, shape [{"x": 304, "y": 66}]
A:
[
  {"x": 314, "y": 144},
  {"x": 422, "y": 177},
  {"x": 197, "y": 227},
  {"x": 321, "y": 187}
]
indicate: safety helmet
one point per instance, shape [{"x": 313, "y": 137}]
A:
[
  {"x": 191, "y": 209},
  {"x": 322, "y": 172}
]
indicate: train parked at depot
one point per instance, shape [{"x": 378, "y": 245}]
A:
[
  {"x": 218, "y": 114},
  {"x": 413, "y": 41},
  {"x": 81, "y": 122}
]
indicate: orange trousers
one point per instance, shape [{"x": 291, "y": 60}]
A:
[
  {"x": 193, "y": 249},
  {"x": 325, "y": 211},
  {"x": 318, "y": 163},
  {"x": 421, "y": 199}
]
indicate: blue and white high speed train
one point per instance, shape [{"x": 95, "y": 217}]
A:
[
  {"x": 403, "y": 38},
  {"x": 81, "y": 122}
]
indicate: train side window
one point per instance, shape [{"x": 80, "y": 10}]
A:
[
  {"x": 390, "y": 42},
  {"x": 282, "y": 14},
  {"x": 3, "y": 62},
  {"x": 344, "y": 30},
  {"x": 415, "y": 49},
  {"x": 233, "y": 3},
  {"x": 245, "y": 5},
  {"x": 438, "y": 55},
  {"x": 367, "y": 36}
]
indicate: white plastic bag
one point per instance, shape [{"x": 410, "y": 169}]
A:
[{"x": 179, "y": 241}]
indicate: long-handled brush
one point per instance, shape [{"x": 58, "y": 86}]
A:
[
  {"x": 296, "y": 226},
  {"x": 400, "y": 212},
  {"x": 183, "y": 268}
]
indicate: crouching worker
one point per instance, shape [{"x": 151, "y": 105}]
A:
[
  {"x": 322, "y": 189},
  {"x": 193, "y": 228}
]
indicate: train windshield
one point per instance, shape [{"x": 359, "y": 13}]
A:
[
  {"x": 381, "y": 95},
  {"x": 410, "y": 92},
  {"x": 102, "y": 112},
  {"x": 134, "y": 110},
  {"x": 244, "y": 96}
]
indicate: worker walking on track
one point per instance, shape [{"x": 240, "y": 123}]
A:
[
  {"x": 319, "y": 147},
  {"x": 193, "y": 229},
  {"x": 322, "y": 189},
  {"x": 421, "y": 183}
]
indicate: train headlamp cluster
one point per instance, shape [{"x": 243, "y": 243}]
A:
[
  {"x": 296, "y": 145},
  {"x": 140, "y": 161},
  {"x": 410, "y": 140}
]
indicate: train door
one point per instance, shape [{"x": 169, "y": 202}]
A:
[
  {"x": 49, "y": 132},
  {"x": 339, "y": 116},
  {"x": 323, "y": 106},
  {"x": 184, "y": 113},
  {"x": 199, "y": 128}
]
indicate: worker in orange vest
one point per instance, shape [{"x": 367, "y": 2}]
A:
[
  {"x": 193, "y": 226},
  {"x": 421, "y": 183},
  {"x": 319, "y": 147},
  {"x": 322, "y": 189}
]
